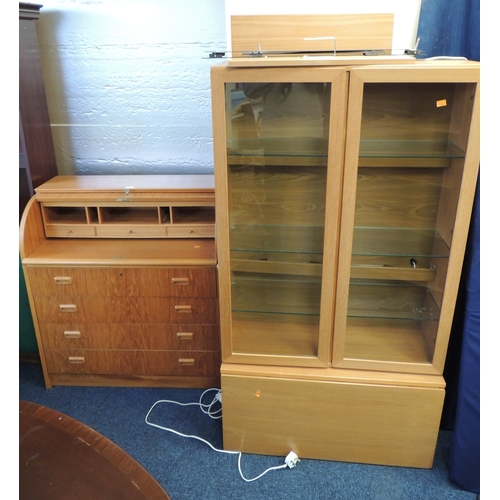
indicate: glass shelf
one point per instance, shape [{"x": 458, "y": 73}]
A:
[
  {"x": 408, "y": 149},
  {"x": 276, "y": 295},
  {"x": 298, "y": 146},
  {"x": 271, "y": 238},
  {"x": 379, "y": 299},
  {"x": 398, "y": 242}
]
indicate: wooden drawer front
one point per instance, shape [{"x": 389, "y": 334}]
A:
[
  {"x": 352, "y": 422},
  {"x": 187, "y": 310},
  {"x": 195, "y": 337},
  {"x": 364, "y": 423},
  {"x": 191, "y": 231},
  {"x": 126, "y": 310},
  {"x": 102, "y": 310},
  {"x": 122, "y": 282},
  {"x": 130, "y": 231},
  {"x": 133, "y": 362},
  {"x": 130, "y": 336},
  {"x": 188, "y": 282},
  {"x": 69, "y": 231}
]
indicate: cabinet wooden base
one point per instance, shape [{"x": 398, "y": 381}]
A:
[{"x": 330, "y": 418}]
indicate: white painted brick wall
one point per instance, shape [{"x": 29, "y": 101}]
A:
[{"x": 128, "y": 83}]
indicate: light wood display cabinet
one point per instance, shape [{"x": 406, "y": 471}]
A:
[
  {"x": 121, "y": 278},
  {"x": 343, "y": 196}
]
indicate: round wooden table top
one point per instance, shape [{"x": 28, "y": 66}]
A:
[{"x": 61, "y": 458}]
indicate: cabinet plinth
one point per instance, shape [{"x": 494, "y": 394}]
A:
[
  {"x": 343, "y": 197},
  {"x": 114, "y": 302}
]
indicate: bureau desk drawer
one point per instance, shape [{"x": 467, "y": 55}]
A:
[
  {"x": 171, "y": 337},
  {"x": 69, "y": 231},
  {"x": 52, "y": 309},
  {"x": 133, "y": 362},
  {"x": 123, "y": 282}
]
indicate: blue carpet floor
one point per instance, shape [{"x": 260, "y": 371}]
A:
[{"x": 189, "y": 469}]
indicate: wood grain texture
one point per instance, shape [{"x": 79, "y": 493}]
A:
[
  {"x": 290, "y": 32},
  {"x": 128, "y": 252},
  {"x": 134, "y": 363},
  {"x": 331, "y": 374},
  {"x": 125, "y": 309},
  {"x": 332, "y": 420},
  {"x": 122, "y": 282},
  {"x": 95, "y": 184},
  {"x": 31, "y": 233},
  {"x": 59, "y": 458},
  {"x": 163, "y": 337}
]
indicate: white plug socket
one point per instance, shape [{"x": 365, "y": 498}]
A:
[{"x": 292, "y": 459}]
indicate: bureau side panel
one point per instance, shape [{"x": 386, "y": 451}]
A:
[{"x": 377, "y": 424}]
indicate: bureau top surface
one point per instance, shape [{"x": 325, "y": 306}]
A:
[
  {"x": 130, "y": 183},
  {"x": 119, "y": 252}
]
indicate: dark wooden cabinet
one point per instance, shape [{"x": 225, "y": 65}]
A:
[{"x": 37, "y": 160}]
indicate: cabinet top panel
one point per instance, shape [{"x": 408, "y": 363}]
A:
[
  {"x": 349, "y": 62},
  {"x": 121, "y": 183},
  {"x": 318, "y": 60}
]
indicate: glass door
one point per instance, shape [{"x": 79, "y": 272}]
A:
[
  {"x": 282, "y": 151},
  {"x": 407, "y": 141}
]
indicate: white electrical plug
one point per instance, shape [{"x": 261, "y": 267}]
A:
[{"x": 292, "y": 459}]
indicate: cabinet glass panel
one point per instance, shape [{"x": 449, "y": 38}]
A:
[
  {"x": 277, "y": 143},
  {"x": 409, "y": 170}
]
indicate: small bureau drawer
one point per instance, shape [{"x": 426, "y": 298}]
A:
[
  {"x": 69, "y": 231},
  {"x": 123, "y": 282},
  {"x": 134, "y": 362},
  {"x": 159, "y": 337},
  {"x": 202, "y": 231},
  {"x": 130, "y": 231}
]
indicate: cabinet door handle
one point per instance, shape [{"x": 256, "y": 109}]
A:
[
  {"x": 180, "y": 281},
  {"x": 77, "y": 360},
  {"x": 184, "y": 335},
  {"x": 186, "y": 361},
  {"x": 68, "y": 308},
  {"x": 63, "y": 280},
  {"x": 72, "y": 334},
  {"x": 183, "y": 309}
]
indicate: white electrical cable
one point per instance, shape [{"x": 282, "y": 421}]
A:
[{"x": 207, "y": 409}]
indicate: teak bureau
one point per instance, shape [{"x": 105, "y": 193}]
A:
[{"x": 121, "y": 278}]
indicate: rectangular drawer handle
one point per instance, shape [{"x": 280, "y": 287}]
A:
[
  {"x": 69, "y": 334},
  {"x": 63, "y": 280},
  {"x": 186, "y": 361},
  {"x": 184, "y": 335},
  {"x": 78, "y": 360},
  {"x": 183, "y": 309},
  {"x": 67, "y": 308},
  {"x": 180, "y": 281}
]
